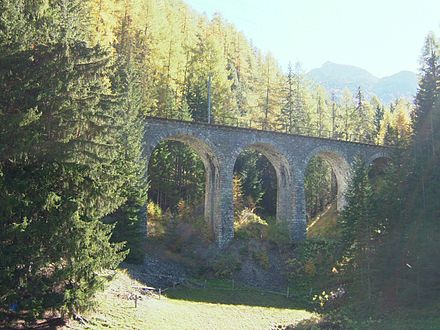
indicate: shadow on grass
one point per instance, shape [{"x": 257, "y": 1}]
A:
[
  {"x": 165, "y": 272},
  {"x": 247, "y": 296},
  {"x": 221, "y": 292},
  {"x": 12, "y": 322}
]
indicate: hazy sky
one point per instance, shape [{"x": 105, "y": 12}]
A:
[{"x": 381, "y": 36}]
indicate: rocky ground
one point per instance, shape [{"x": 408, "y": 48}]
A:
[
  {"x": 255, "y": 272},
  {"x": 260, "y": 264},
  {"x": 159, "y": 272}
]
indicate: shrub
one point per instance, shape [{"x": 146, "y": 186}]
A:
[
  {"x": 201, "y": 229},
  {"x": 310, "y": 268},
  {"x": 156, "y": 220},
  {"x": 313, "y": 257},
  {"x": 250, "y": 225},
  {"x": 154, "y": 211},
  {"x": 262, "y": 258},
  {"x": 182, "y": 208},
  {"x": 295, "y": 267},
  {"x": 278, "y": 233},
  {"x": 225, "y": 265}
]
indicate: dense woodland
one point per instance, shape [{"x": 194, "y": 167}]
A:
[
  {"x": 78, "y": 78},
  {"x": 391, "y": 224}
]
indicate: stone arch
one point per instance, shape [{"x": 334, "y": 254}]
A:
[
  {"x": 205, "y": 150},
  {"x": 340, "y": 166},
  {"x": 285, "y": 195},
  {"x": 377, "y": 163},
  {"x": 378, "y": 155}
]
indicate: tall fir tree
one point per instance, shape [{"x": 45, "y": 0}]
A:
[
  {"x": 359, "y": 228},
  {"x": 287, "y": 117},
  {"x": 62, "y": 163},
  {"x": 130, "y": 219},
  {"x": 426, "y": 115}
]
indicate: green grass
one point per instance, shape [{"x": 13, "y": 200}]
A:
[
  {"x": 218, "y": 308},
  {"x": 390, "y": 322},
  {"x": 182, "y": 308},
  {"x": 432, "y": 323},
  {"x": 413, "y": 319},
  {"x": 425, "y": 317},
  {"x": 221, "y": 292}
]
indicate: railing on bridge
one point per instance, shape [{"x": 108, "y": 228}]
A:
[{"x": 264, "y": 125}]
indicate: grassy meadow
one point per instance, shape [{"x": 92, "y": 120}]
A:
[{"x": 183, "y": 308}]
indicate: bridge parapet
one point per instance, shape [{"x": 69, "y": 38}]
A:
[{"x": 279, "y": 127}]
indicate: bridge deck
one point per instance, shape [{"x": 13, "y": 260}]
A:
[{"x": 333, "y": 136}]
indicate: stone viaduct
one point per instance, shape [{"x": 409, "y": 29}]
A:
[{"x": 219, "y": 146}]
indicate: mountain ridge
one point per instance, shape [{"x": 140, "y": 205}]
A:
[{"x": 336, "y": 77}]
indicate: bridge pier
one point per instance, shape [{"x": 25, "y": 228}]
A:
[
  {"x": 342, "y": 178},
  {"x": 286, "y": 199},
  {"x": 298, "y": 228},
  {"x": 224, "y": 217},
  {"x": 211, "y": 193}
]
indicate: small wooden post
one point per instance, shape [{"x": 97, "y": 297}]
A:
[
  {"x": 135, "y": 301},
  {"x": 160, "y": 292}
]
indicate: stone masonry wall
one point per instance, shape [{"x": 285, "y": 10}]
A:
[{"x": 219, "y": 147}]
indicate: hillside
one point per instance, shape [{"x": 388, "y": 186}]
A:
[{"x": 336, "y": 77}]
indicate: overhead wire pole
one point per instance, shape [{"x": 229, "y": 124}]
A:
[
  {"x": 333, "y": 115},
  {"x": 266, "y": 109},
  {"x": 209, "y": 97}
]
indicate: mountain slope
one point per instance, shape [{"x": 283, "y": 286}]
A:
[
  {"x": 336, "y": 77},
  {"x": 402, "y": 84}
]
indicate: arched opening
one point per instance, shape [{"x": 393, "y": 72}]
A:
[
  {"x": 325, "y": 183},
  {"x": 378, "y": 166},
  {"x": 175, "y": 173},
  {"x": 255, "y": 184},
  {"x": 378, "y": 172},
  {"x": 261, "y": 190},
  {"x": 182, "y": 174}
]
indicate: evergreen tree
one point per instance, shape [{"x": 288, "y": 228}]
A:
[
  {"x": 422, "y": 186},
  {"x": 293, "y": 114},
  {"x": 319, "y": 186},
  {"x": 426, "y": 114},
  {"x": 267, "y": 206},
  {"x": 130, "y": 226},
  {"x": 321, "y": 116},
  {"x": 403, "y": 208},
  {"x": 237, "y": 196},
  {"x": 250, "y": 176},
  {"x": 61, "y": 168},
  {"x": 287, "y": 117},
  {"x": 176, "y": 173},
  {"x": 378, "y": 118},
  {"x": 358, "y": 226},
  {"x": 349, "y": 115},
  {"x": 364, "y": 120}
]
